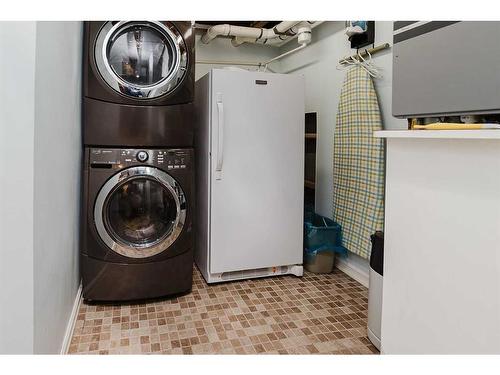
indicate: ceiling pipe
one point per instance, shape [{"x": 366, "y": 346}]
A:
[
  {"x": 302, "y": 46},
  {"x": 312, "y": 24},
  {"x": 281, "y": 39},
  {"x": 304, "y": 38},
  {"x": 252, "y": 34},
  {"x": 238, "y": 40}
]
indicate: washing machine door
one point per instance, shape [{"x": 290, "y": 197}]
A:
[
  {"x": 141, "y": 59},
  {"x": 140, "y": 212}
]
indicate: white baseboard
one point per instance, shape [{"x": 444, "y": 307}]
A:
[
  {"x": 72, "y": 321},
  {"x": 361, "y": 276}
]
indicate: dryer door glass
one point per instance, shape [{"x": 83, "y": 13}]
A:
[
  {"x": 140, "y": 212},
  {"x": 141, "y": 59},
  {"x": 141, "y": 55}
]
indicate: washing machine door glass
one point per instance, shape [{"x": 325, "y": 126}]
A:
[
  {"x": 141, "y": 59},
  {"x": 140, "y": 212}
]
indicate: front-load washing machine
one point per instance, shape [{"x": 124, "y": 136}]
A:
[
  {"x": 138, "y": 83},
  {"x": 137, "y": 234}
]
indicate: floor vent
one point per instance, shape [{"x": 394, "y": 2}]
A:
[{"x": 258, "y": 272}]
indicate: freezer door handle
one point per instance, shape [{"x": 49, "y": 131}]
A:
[{"x": 220, "y": 137}]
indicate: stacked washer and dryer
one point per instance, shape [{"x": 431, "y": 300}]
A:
[{"x": 138, "y": 179}]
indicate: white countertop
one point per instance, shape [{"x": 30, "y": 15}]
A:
[{"x": 440, "y": 134}]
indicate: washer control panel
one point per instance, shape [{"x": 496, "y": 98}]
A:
[{"x": 168, "y": 159}]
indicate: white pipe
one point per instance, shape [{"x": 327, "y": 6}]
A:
[
  {"x": 232, "y": 63},
  {"x": 304, "y": 38},
  {"x": 247, "y": 32},
  {"x": 281, "y": 39},
  {"x": 282, "y": 43},
  {"x": 222, "y": 62},
  {"x": 283, "y": 27},
  {"x": 238, "y": 41},
  {"x": 304, "y": 45}
]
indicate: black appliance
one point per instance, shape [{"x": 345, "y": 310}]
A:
[
  {"x": 137, "y": 240},
  {"x": 138, "y": 83}
]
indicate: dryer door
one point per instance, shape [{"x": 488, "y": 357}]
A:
[
  {"x": 140, "y": 212},
  {"x": 141, "y": 59}
]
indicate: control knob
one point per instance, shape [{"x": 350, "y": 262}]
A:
[{"x": 142, "y": 156}]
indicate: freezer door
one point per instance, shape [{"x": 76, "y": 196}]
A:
[{"x": 257, "y": 170}]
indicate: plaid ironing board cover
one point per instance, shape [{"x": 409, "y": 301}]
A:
[{"x": 358, "y": 163}]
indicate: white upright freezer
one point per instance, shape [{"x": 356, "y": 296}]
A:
[{"x": 249, "y": 144}]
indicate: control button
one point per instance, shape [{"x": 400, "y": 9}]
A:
[{"x": 142, "y": 156}]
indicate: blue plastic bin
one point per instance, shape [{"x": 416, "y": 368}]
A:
[{"x": 322, "y": 239}]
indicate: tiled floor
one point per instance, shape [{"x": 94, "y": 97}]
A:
[{"x": 280, "y": 315}]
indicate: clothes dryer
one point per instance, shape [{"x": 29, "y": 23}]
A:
[{"x": 138, "y": 83}]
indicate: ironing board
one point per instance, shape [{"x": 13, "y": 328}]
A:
[{"x": 358, "y": 163}]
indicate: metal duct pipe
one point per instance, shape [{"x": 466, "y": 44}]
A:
[{"x": 251, "y": 33}]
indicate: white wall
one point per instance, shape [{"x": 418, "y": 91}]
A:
[
  {"x": 17, "y": 73},
  {"x": 40, "y": 145},
  {"x": 57, "y": 162},
  {"x": 318, "y": 62}
]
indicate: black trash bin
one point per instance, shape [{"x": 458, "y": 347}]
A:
[{"x": 375, "y": 290}]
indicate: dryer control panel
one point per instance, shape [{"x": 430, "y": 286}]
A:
[{"x": 168, "y": 159}]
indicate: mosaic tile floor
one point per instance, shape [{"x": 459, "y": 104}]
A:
[{"x": 315, "y": 314}]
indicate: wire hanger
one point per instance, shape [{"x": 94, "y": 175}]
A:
[
  {"x": 370, "y": 66},
  {"x": 358, "y": 60}
]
